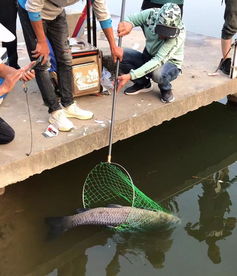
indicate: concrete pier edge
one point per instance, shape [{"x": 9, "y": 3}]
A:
[{"x": 135, "y": 114}]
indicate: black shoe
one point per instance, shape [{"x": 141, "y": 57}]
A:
[
  {"x": 167, "y": 96},
  {"x": 225, "y": 66},
  {"x": 138, "y": 88}
]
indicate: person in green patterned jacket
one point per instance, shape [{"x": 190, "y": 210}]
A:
[
  {"x": 162, "y": 57},
  {"x": 147, "y": 4}
]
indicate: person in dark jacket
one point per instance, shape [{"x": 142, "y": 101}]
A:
[{"x": 8, "y": 14}]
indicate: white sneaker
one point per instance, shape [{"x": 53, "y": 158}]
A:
[
  {"x": 73, "y": 111},
  {"x": 59, "y": 119}
]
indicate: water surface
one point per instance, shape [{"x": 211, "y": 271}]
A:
[
  {"x": 203, "y": 17},
  {"x": 187, "y": 164}
]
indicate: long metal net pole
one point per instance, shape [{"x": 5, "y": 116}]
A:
[
  {"x": 115, "y": 89},
  {"x": 88, "y": 9}
]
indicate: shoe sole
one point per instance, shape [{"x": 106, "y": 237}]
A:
[
  {"x": 163, "y": 101},
  {"x": 78, "y": 117},
  {"x": 60, "y": 129},
  {"x": 144, "y": 90}
]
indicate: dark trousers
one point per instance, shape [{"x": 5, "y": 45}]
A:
[
  {"x": 163, "y": 76},
  {"x": 148, "y": 5},
  {"x": 57, "y": 33},
  {"x": 7, "y": 134},
  {"x": 230, "y": 26},
  {"x": 133, "y": 59},
  {"x": 8, "y": 12}
]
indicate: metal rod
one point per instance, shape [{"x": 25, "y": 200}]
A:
[
  {"x": 88, "y": 9},
  {"x": 233, "y": 65},
  {"x": 94, "y": 30},
  {"x": 223, "y": 59},
  {"x": 115, "y": 89}
]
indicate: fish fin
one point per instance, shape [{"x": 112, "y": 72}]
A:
[
  {"x": 57, "y": 225},
  {"x": 114, "y": 206},
  {"x": 81, "y": 210}
]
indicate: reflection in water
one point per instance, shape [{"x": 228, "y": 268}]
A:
[
  {"x": 88, "y": 257},
  {"x": 214, "y": 204},
  {"x": 106, "y": 253},
  {"x": 159, "y": 172},
  {"x": 151, "y": 247}
]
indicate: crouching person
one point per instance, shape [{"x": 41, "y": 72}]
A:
[
  {"x": 8, "y": 78},
  {"x": 163, "y": 55}
]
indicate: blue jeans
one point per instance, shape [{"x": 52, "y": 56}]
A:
[
  {"x": 57, "y": 32},
  {"x": 133, "y": 59}
]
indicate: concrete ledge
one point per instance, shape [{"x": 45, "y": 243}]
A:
[{"x": 134, "y": 114}]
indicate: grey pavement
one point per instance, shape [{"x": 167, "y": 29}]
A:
[{"x": 134, "y": 114}]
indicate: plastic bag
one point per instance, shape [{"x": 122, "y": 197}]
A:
[{"x": 106, "y": 82}]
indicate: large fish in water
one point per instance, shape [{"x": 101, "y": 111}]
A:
[{"x": 112, "y": 216}]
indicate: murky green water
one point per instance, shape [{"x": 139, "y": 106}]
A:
[{"x": 187, "y": 164}]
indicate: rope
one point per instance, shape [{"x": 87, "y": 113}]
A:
[{"x": 25, "y": 89}]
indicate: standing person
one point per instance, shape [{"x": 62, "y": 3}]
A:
[
  {"x": 228, "y": 31},
  {"x": 41, "y": 19},
  {"x": 148, "y": 4},
  {"x": 8, "y": 13},
  {"x": 163, "y": 55}
]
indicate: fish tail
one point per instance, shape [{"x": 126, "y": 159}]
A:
[{"x": 57, "y": 225}]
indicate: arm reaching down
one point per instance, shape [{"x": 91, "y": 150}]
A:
[
  {"x": 102, "y": 14},
  {"x": 116, "y": 52},
  {"x": 42, "y": 48},
  {"x": 12, "y": 75}
]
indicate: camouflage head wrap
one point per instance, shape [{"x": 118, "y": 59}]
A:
[{"x": 168, "y": 15}]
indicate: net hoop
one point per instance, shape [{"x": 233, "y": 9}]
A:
[
  {"x": 110, "y": 184},
  {"x": 113, "y": 165}
]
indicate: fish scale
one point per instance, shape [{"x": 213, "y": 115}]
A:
[
  {"x": 118, "y": 216},
  {"x": 121, "y": 216},
  {"x": 101, "y": 216}
]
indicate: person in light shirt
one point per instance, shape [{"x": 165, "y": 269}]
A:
[{"x": 44, "y": 20}]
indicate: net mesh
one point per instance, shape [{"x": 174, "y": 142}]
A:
[{"x": 110, "y": 183}]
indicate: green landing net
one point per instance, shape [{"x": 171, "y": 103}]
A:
[{"x": 110, "y": 183}]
